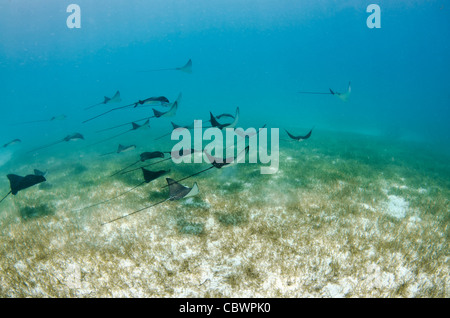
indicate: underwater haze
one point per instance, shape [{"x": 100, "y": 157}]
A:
[{"x": 358, "y": 208}]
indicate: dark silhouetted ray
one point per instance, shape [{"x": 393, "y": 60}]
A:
[
  {"x": 18, "y": 183},
  {"x": 215, "y": 123},
  {"x": 115, "y": 99},
  {"x": 12, "y": 142},
  {"x": 75, "y": 136},
  {"x": 187, "y": 68},
  {"x": 176, "y": 192},
  {"x": 154, "y": 100},
  {"x": 152, "y": 175},
  {"x": 299, "y": 138}
]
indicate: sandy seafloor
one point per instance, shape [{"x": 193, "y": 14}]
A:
[{"x": 346, "y": 215}]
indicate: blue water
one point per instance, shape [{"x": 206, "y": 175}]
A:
[{"x": 252, "y": 54}]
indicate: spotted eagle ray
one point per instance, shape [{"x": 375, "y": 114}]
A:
[
  {"x": 148, "y": 177},
  {"x": 115, "y": 99},
  {"x": 219, "y": 163},
  {"x": 18, "y": 183},
  {"x": 187, "y": 68},
  {"x": 178, "y": 100},
  {"x": 299, "y": 138},
  {"x": 75, "y": 136},
  {"x": 177, "y": 191},
  {"x": 12, "y": 142},
  {"x": 143, "y": 157},
  {"x": 215, "y": 123},
  {"x": 170, "y": 113},
  {"x": 164, "y": 104},
  {"x": 120, "y": 149},
  {"x": 342, "y": 96},
  {"x": 151, "y": 100}
]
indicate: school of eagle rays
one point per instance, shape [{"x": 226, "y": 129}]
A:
[{"x": 177, "y": 191}]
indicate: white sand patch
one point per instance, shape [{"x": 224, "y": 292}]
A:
[
  {"x": 339, "y": 290},
  {"x": 422, "y": 190},
  {"x": 126, "y": 263},
  {"x": 334, "y": 291},
  {"x": 422, "y": 282},
  {"x": 371, "y": 253},
  {"x": 399, "y": 186},
  {"x": 396, "y": 206},
  {"x": 368, "y": 207},
  {"x": 275, "y": 171},
  {"x": 414, "y": 223},
  {"x": 210, "y": 224},
  {"x": 379, "y": 278},
  {"x": 72, "y": 275},
  {"x": 20, "y": 266}
]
